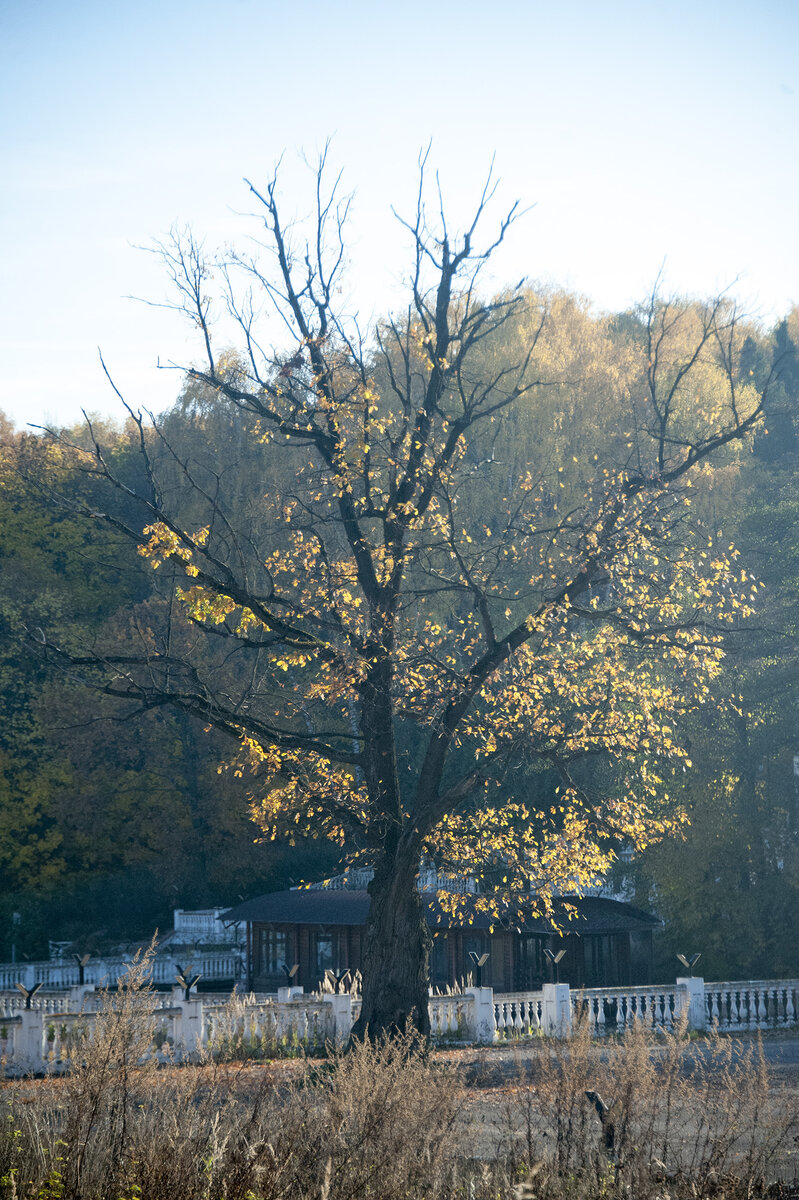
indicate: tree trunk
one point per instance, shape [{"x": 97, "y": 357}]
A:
[{"x": 396, "y": 952}]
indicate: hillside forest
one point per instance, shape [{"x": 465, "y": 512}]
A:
[{"x": 110, "y": 818}]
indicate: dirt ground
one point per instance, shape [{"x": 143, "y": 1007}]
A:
[{"x": 490, "y": 1084}]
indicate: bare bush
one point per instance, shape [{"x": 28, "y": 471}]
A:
[
  {"x": 638, "y": 1118},
  {"x": 377, "y": 1121},
  {"x": 648, "y": 1116}
]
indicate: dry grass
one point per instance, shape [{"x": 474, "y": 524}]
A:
[
  {"x": 648, "y": 1117},
  {"x": 678, "y": 1119}
]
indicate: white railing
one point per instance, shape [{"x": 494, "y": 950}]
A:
[
  {"x": 43, "y": 1036},
  {"x": 14, "y": 1001},
  {"x": 252, "y": 1024},
  {"x": 200, "y": 923},
  {"x": 450, "y": 1018},
  {"x": 8, "y": 1039},
  {"x": 753, "y": 1004},
  {"x": 611, "y": 1010},
  {"x": 518, "y": 1014},
  {"x": 210, "y": 964}
]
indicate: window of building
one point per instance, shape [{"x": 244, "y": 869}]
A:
[
  {"x": 476, "y": 943},
  {"x": 531, "y": 963},
  {"x": 272, "y": 950},
  {"x": 439, "y": 959},
  {"x": 325, "y": 953}
]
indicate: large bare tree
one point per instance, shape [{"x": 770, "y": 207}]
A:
[{"x": 401, "y": 618}]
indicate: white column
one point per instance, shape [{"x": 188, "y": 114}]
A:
[
  {"x": 342, "y": 1015},
  {"x": 556, "y": 1017},
  {"x": 483, "y": 1027},
  {"x": 78, "y": 994},
  {"x": 28, "y": 1050},
  {"x": 284, "y": 994},
  {"x": 694, "y": 998},
  {"x": 189, "y": 1032}
]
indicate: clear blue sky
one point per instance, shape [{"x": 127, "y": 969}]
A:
[{"x": 640, "y": 131}]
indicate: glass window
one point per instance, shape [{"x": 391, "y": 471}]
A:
[
  {"x": 439, "y": 959},
  {"x": 531, "y": 969},
  {"x": 325, "y": 960},
  {"x": 271, "y": 951}
]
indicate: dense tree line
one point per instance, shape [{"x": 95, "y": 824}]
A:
[{"x": 107, "y": 820}]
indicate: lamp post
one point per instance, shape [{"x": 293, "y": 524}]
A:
[
  {"x": 81, "y": 961},
  {"x": 28, "y": 994},
  {"x": 479, "y": 961},
  {"x": 185, "y": 982},
  {"x": 690, "y": 962},
  {"x": 555, "y": 960}
]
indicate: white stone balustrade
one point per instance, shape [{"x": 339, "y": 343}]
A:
[
  {"x": 451, "y": 1018},
  {"x": 611, "y": 1010},
  {"x": 518, "y": 1014},
  {"x": 752, "y": 1004},
  {"x": 43, "y": 1036},
  {"x": 210, "y": 964}
]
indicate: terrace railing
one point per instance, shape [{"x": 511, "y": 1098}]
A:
[
  {"x": 211, "y": 964},
  {"x": 43, "y": 1035},
  {"x": 611, "y": 1010},
  {"x": 752, "y": 1004}
]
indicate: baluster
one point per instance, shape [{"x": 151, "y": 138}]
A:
[
  {"x": 674, "y": 1002},
  {"x": 761, "y": 1008},
  {"x": 600, "y": 1016},
  {"x": 724, "y": 998},
  {"x": 747, "y": 1008},
  {"x": 790, "y": 1012},
  {"x": 734, "y": 1014},
  {"x": 535, "y": 1016},
  {"x": 648, "y": 1009},
  {"x": 774, "y": 1014},
  {"x": 661, "y": 1003},
  {"x": 620, "y": 1022},
  {"x": 518, "y": 1026},
  {"x": 713, "y": 1007}
]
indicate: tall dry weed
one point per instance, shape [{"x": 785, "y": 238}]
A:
[
  {"x": 649, "y": 1115},
  {"x": 375, "y": 1122},
  {"x": 639, "y": 1118}
]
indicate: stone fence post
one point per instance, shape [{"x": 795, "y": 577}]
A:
[
  {"x": 693, "y": 991},
  {"x": 29, "y": 1049},
  {"x": 78, "y": 994},
  {"x": 342, "y": 1014},
  {"x": 188, "y": 1023},
  {"x": 556, "y": 1013},
  {"x": 284, "y": 994},
  {"x": 483, "y": 1026}
]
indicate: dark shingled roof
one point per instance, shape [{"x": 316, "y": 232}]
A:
[{"x": 342, "y": 906}]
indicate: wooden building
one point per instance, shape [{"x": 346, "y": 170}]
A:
[{"x": 606, "y": 942}]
